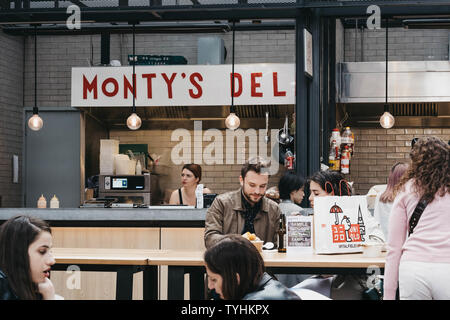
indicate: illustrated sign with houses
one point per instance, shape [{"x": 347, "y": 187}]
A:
[{"x": 344, "y": 230}]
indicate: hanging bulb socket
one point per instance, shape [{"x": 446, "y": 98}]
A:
[
  {"x": 134, "y": 122},
  {"x": 387, "y": 120},
  {"x": 35, "y": 122},
  {"x": 232, "y": 122}
]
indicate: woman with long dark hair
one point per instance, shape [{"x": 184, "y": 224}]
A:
[
  {"x": 236, "y": 271},
  {"x": 25, "y": 260},
  {"x": 418, "y": 259}
]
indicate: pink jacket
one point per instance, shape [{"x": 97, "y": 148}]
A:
[{"x": 430, "y": 241}]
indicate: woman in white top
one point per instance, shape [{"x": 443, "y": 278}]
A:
[{"x": 384, "y": 201}]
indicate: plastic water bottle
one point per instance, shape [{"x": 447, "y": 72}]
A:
[{"x": 138, "y": 168}]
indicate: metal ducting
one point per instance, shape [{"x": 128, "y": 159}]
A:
[
  {"x": 418, "y": 93},
  {"x": 409, "y": 82}
]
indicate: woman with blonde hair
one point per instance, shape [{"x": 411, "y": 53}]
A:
[
  {"x": 385, "y": 200},
  {"x": 418, "y": 258}
]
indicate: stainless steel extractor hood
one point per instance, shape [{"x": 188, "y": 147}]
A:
[
  {"x": 419, "y": 93},
  {"x": 409, "y": 81}
]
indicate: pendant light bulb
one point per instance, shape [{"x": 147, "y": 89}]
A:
[
  {"x": 35, "y": 123},
  {"x": 134, "y": 122},
  {"x": 232, "y": 122},
  {"x": 387, "y": 120}
]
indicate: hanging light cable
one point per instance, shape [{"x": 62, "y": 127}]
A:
[
  {"x": 133, "y": 121},
  {"x": 387, "y": 120},
  {"x": 35, "y": 122},
  {"x": 232, "y": 122}
]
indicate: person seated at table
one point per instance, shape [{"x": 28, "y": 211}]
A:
[
  {"x": 384, "y": 201},
  {"x": 236, "y": 271},
  {"x": 191, "y": 174},
  {"x": 328, "y": 183},
  {"x": 26, "y": 260},
  {"x": 246, "y": 209},
  {"x": 291, "y": 188}
]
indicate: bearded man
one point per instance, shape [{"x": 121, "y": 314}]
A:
[{"x": 246, "y": 209}]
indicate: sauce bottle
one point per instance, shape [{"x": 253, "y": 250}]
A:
[{"x": 42, "y": 202}]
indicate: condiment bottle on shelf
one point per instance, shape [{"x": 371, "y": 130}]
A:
[
  {"x": 347, "y": 139},
  {"x": 334, "y": 158},
  {"x": 345, "y": 161},
  {"x": 54, "y": 202},
  {"x": 42, "y": 202},
  {"x": 335, "y": 135},
  {"x": 289, "y": 160}
]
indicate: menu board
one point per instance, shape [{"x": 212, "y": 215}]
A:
[{"x": 299, "y": 230}]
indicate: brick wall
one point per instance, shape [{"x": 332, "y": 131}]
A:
[
  {"x": 11, "y": 117},
  {"x": 219, "y": 178},
  {"x": 404, "y": 45},
  {"x": 377, "y": 150}
]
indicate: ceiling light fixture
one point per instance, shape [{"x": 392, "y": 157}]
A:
[
  {"x": 134, "y": 122},
  {"x": 387, "y": 120},
  {"x": 232, "y": 122},
  {"x": 35, "y": 122}
]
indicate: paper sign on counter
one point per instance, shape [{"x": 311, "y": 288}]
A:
[{"x": 299, "y": 231}]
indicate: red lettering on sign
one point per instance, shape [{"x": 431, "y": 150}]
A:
[
  {"x": 115, "y": 84},
  {"x": 277, "y": 93},
  {"x": 169, "y": 83},
  {"x": 89, "y": 87},
  {"x": 149, "y": 77},
  {"x": 238, "y": 77},
  {"x": 129, "y": 86},
  {"x": 255, "y": 84},
  {"x": 192, "y": 78}
]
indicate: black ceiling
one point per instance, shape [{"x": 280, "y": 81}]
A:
[{"x": 156, "y": 16}]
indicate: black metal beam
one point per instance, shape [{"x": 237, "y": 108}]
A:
[
  {"x": 194, "y": 27},
  {"x": 240, "y": 10},
  {"x": 301, "y": 101},
  {"x": 314, "y": 98}
]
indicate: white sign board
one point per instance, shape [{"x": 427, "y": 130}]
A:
[
  {"x": 299, "y": 230},
  {"x": 184, "y": 85},
  {"x": 308, "y": 54}
]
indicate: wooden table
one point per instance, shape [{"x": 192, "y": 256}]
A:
[
  {"x": 181, "y": 262},
  {"x": 125, "y": 262},
  {"x": 128, "y": 261}
]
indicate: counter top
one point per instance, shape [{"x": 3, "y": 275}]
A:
[{"x": 112, "y": 217}]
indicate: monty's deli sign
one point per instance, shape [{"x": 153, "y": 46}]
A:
[{"x": 265, "y": 83}]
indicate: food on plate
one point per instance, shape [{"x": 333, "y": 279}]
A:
[{"x": 251, "y": 236}]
